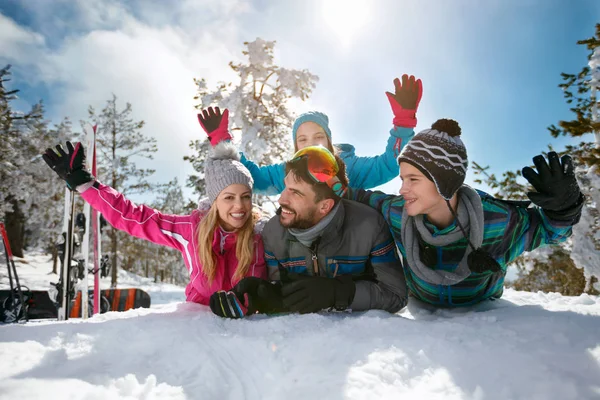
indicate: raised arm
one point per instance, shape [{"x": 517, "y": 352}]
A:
[
  {"x": 559, "y": 200},
  {"x": 268, "y": 179},
  {"x": 369, "y": 172},
  {"x": 140, "y": 221}
]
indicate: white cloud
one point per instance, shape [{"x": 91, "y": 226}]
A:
[
  {"x": 152, "y": 67},
  {"x": 16, "y": 41}
]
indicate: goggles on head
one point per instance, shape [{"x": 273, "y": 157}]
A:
[{"x": 322, "y": 167}]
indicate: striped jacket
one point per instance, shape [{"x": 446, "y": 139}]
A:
[
  {"x": 509, "y": 230},
  {"x": 357, "y": 241}
]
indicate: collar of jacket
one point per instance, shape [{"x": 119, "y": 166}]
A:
[
  {"x": 228, "y": 238},
  {"x": 331, "y": 231}
]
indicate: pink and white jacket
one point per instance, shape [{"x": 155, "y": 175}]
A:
[{"x": 178, "y": 232}]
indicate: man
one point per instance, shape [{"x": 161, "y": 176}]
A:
[
  {"x": 326, "y": 253},
  {"x": 455, "y": 241}
]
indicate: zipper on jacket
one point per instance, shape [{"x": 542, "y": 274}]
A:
[
  {"x": 336, "y": 263},
  {"x": 315, "y": 259}
]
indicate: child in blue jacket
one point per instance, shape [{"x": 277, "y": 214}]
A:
[{"x": 312, "y": 128}]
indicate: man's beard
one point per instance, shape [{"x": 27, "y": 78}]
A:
[{"x": 305, "y": 222}]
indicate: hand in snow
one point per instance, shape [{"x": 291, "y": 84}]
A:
[
  {"x": 69, "y": 165},
  {"x": 263, "y": 296},
  {"x": 227, "y": 305},
  {"x": 555, "y": 184},
  {"x": 405, "y": 100},
  {"x": 215, "y": 124}
]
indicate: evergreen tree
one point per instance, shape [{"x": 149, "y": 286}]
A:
[
  {"x": 118, "y": 142},
  {"x": 259, "y": 107},
  {"x": 578, "y": 260}
]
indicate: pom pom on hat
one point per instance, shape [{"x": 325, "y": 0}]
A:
[{"x": 440, "y": 155}]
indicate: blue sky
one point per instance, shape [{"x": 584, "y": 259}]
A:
[{"x": 494, "y": 66}]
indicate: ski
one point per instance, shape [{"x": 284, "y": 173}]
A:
[
  {"x": 97, "y": 240},
  {"x": 85, "y": 247},
  {"x": 41, "y": 306},
  {"x": 64, "y": 284}
]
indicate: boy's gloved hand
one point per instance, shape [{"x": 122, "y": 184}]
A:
[
  {"x": 69, "y": 165},
  {"x": 405, "y": 101},
  {"x": 557, "y": 191},
  {"x": 215, "y": 124}
]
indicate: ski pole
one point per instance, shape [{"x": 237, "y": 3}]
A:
[{"x": 10, "y": 261}]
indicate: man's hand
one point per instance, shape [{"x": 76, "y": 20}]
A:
[{"x": 308, "y": 294}]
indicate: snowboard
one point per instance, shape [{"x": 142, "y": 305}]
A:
[{"x": 41, "y": 306}]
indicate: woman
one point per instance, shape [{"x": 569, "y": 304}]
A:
[
  {"x": 312, "y": 129},
  {"x": 219, "y": 245}
]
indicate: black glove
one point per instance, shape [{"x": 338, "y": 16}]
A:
[
  {"x": 557, "y": 191},
  {"x": 263, "y": 296},
  {"x": 227, "y": 305},
  {"x": 69, "y": 166},
  {"x": 307, "y": 294}
]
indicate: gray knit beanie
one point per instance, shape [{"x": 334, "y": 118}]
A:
[
  {"x": 440, "y": 155},
  {"x": 223, "y": 168}
]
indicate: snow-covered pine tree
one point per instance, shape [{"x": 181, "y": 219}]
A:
[
  {"x": 581, "y": 92},
  {"x": 260, "y": 117},
  {"x": 29, "y": 195},
  {"x": 562, "y": 269},
  {"x": 119, "y": 141}
]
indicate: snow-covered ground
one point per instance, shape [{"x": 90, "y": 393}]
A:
[{"x": 524, "y": 346}]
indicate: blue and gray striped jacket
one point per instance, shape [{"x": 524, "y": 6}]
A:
[
  {"x": 509, "y": 230},
  {"x": 356, "y": 242}
]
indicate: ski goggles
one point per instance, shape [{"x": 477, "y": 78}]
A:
[{"x": 322, "y": 167}]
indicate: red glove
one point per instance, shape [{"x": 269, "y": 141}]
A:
[
  {"x": 405, "y": 101},
  {"x": 215, "y": 124}
]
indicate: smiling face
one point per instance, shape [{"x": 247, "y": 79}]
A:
[
  {"x": 298, "y": 207},
  {"x": 419, "y": 192},
  {"x": 234, "y": 206},
  {"x": 311, "y": 134}
]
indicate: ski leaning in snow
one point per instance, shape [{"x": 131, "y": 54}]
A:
[
  {"x": 65, "y": 282},
  {"x": 13, "y": 306},
  {"x": 39, "y": 304}
]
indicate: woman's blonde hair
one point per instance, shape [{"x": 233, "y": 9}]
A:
[{"x": 244, "y": 247}]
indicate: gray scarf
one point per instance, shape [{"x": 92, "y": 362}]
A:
[
  {"x": 470, "y": 215},
  {"x": 308, "y": 236}
]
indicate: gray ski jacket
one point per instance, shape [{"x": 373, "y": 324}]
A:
[{"x": 357, "y": 241}]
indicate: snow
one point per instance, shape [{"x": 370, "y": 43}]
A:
[{"x": 523, "y": 346}]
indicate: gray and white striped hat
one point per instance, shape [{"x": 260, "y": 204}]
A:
[{"x": 440, "y": 155}]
